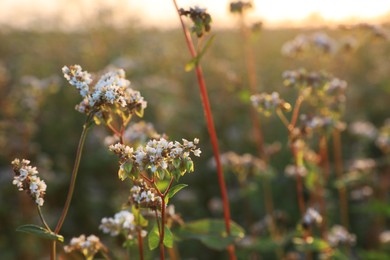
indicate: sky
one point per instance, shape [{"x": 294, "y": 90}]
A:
[{"x": 161, "y": 12}]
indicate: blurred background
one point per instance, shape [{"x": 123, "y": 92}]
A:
[{"x": 38, "y": 120}]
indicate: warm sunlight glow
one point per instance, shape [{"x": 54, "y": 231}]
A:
[{"x": 161, "y": 12}]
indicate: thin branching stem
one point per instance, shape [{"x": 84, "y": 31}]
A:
[
  {"x": 211, "y": 130},
  {"x": 73, "y": 177},
  {"x": 43, "y": 219}
]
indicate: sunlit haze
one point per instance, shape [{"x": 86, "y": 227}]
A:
[{"x": 161, "y": 13}]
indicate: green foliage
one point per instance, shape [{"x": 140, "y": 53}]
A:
[
  {"x": 40, "y": 232},
  {"x": 211, "y": 232}
]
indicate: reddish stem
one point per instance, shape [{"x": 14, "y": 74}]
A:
[
  {"x": 211, "y": 130},
  {"x": 140, "y": 245}
]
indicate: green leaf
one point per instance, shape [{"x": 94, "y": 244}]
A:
[
  {"x": 175, "y": 189},
  {"x": 189, "y": 166},
  {"x": 168, "y": 237},
  {"x": 127, "y": 167},
  {"x": 122, "y": 174},
  {"x": 211, "y": 232},
  {"x": 195, "y": 61},
  {"x": 176, "y": 174},
  {"x": 40, "y": 232},
  {"x": 154, "y": 238},
  {"x": 139, "y": 219}
]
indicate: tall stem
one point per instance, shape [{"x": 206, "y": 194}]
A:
[
  {"x": 211, "y": 130},
  {"x": 140, "y": 245},
  {"x": 42, "y": 218},
  {"x": 339, "y": 171},
  {"x": 73, "y": 177},
  {"x": 162, "y": 231}
]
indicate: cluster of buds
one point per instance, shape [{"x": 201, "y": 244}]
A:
[
  {"x": 26, "y": 179},
  {"x": 316, "y": 41},
  {"x": 311, "y": 217},
  {"x": 338, "y": 235},
  {"x": 243, "y": 165},
  {"x": 88, "y": 246},
  {"x": 200, "y": 18},
  {"x": 240, "y": 6},
  {"x": 157, "y": 157},
  {"x": 122, "y": 223},
  {"x": 144, "y": 196},
  {"x": 359, "y": 172},
  {"x": 383, "y": 139},
  {"x": 266, "y": 103},
  {"x": 112, "y": 89}
]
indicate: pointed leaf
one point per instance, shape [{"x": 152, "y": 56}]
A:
[
  {"x": 175, "y": 189},
  {"x": 40, "y": 232},
  {"x": 168, "y": 237},
  {"x": 154, "y": 238},
  {"x": 195, "y": 61}
]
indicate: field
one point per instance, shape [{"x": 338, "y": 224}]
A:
[{"x": 347, "y": 182}]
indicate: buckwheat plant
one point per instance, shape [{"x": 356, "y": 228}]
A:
[
  {"x": 147, "y": 167},
  {"x": 107, "y": 100}
]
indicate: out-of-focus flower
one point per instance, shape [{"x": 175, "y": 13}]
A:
[
  {"x": 361, "y": 193},
  {"x": 384, "y": 237},
  {"x": 88, "y": 246},
  {"x": 244, "y": 166},
  {"x": 157, "y": 157},
  {"x": 26, "y": 179},
  {"x": 362, "y": 165},
  {"x": 266, "y": 103},
  {"x": 383, "y": 139},
  {"x": 338, "y": 235},
  {"x": 240, "y": 6},
  {"x": 293, "y": 170},
  {"x": 122, "y": 223},
  {"x": 136, "y": 134},
  {"x": 363, "y": 128},
  {"x": 311, "y": 217}
]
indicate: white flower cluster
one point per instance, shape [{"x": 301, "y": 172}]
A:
[
  {"x": 88, "y": 246},
  {"x": 266, "y": 103},
  {"x": 112, "y": 89},
  {"x": 301, "y": 43},
  {"x": 157, "y": 155},
  {"x": 338, "y": 235},
  {"x": 26, "y": 179},
  {"x": 78, "y": 78},
  {"x": 293, "y": 170},
  {"x": 321, "y": 122},
  {"x": 311, "y": 217},
  {"x": 121, "y": 223},
  {"x": 363, "y": 128}
]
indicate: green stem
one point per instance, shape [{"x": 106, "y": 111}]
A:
[
  {"x": 73, "y": 177},
  {"x": 211, "y": 130},
  {"x": 43, "y": 219}
]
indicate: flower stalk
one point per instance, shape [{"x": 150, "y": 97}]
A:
[{"x": 211, "y": 129}]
